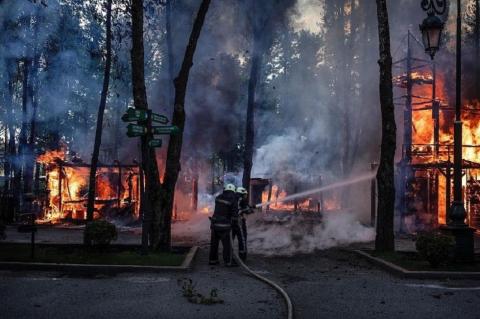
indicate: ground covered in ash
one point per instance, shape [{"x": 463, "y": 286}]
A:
[
  {"x": 286, "y": 233},
  {"x": 289, "y": 234}
]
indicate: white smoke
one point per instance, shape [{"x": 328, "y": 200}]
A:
[
  {"x": 301, "y": 237},
  {"x": 196, "y": 229},
  {"x": 296, "y": 236}
]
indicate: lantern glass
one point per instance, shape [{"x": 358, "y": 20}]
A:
[{"x": 431, "y": 29}]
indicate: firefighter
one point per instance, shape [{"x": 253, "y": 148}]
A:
[
  {"x": 240, "y": 228},
  {"x": 226, "y": 208}
]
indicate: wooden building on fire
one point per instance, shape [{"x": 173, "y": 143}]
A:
[{"x": 424, "y": 175}]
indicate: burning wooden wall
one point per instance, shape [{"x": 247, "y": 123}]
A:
[
  {"x": 425, "y": 171},
  {"x": 117, "y": 189}
]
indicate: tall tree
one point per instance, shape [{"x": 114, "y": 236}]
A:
[
  {"x": 11, "y": 149},
  {"x": 264, "y": 16},
  {"x": 174, "y": 151},
  {"x": 29, "y": 161},
  {"x": 151, "y": 199},
  {"x": 22, "y": 139},
  {"x": 384, "y": 240},
  {"x": 171, "y": 62},
  {"x": 472, "y": 56},
  {"x": 101, "y": 111},
  {"x": 250, "y": 122}
]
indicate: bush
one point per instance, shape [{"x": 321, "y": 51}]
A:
[
  {"x": 100, "y": 233},
  {"x": 435, "y": 247}
]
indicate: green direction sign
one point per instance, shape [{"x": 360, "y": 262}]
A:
[
  {"x": 134, "y": 130},
  {"x": 162, "y": 119},
  {"x": 133, "y": 115},
  {"x": 165, "y": 130},
  {"x": 155, "y": 143}
]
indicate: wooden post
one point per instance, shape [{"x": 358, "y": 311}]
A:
[
  {"x": 119, "y": 185},
  {"x": 320, "y": 196},
  {"x": 142, "y": 194},
  {"x": 195, "y": 194},
  {"x": 448, "y": 188},
  {"x": 373, "y": 196},
  {"x": 60, "y": 177},
  {"x": 295, "y": 201},
  {"x": 270, "y": 185}
]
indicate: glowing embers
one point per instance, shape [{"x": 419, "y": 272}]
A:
[
  {"x": 418, "y": 78},
  {"x": 117, "y": 189},
  {"x": 325, "y": 201}
]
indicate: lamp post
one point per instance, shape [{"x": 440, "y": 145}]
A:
[
  {"x": 432, "y": 26},
  {"x": 431, "y": 29}
]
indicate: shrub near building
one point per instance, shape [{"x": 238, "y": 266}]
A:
[
  {"x": 435, "y": 248},
  {"x": 100, "y": 233}
]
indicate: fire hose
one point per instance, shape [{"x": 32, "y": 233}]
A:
[{"x": 279, "y": 289}]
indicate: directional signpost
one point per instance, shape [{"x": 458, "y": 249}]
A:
[
  {"x": 165, "y": 130},
  {"x": 144, "y": 119},
  {"x": 155, "y": 143},
  {"x": 134, "y": 115},
  {"x": 162, "y": 119},
  {"x": 134, "y": 130},
  {"x": 142, "y": 126}
]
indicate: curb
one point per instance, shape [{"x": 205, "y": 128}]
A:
[
  {"x": 409, "y": 274},
  {"x": 94, "y": 268}
]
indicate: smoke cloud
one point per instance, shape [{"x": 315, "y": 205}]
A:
[
  {"x": 294, "y": 235},
  {"x": 299, "y": 236}
]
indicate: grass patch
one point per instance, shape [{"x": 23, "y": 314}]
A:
[
  {"x": 78, "y": 254},
  {"x": 413, "y": 262}
]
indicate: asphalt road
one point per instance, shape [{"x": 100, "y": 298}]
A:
[
  {"x": 339, "y": 284},
  {"x": 326, "y": 284},
  {"x": 55, "y": 295}
]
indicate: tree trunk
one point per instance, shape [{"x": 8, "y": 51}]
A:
[
  {"x": 171, "y": 61},
  {"x": 476, "y": 34},
  {"x": 151, "y": 198},
  {"x": 341, "y": 88},
  {"x": 384, "y": 240},
  {"x": 172, "y": 168},
  {"x": 250, "y": 123},
  {"x": 101, "y": 111},
  {"x": 32, "y": 84},
  {"x": 11, "y": 149},
  {"x": 22, "y": 140}
]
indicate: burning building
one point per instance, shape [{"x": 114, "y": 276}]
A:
[
  {"x": 425, "y": 170},
  {"x": 66, "y": 187}
]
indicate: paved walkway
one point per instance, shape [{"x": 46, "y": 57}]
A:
[
  {"x": 326, "y": 284},
  {"x": 56, "y": 295},
  {"x": 338, "y": 284}
]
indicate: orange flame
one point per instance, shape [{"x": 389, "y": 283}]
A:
[{"x": 67, "y": 187}]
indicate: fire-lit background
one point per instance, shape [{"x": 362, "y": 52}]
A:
[{"x": 317, "y": 114}]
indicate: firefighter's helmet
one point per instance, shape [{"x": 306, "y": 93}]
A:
[
  {"x": 241, "y": 190},
  {"x": 229, "y": 187}
]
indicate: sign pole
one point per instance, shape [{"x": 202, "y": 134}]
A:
[
  {"x": 147, "y": 213},
  {"x": 141, "y": 125}
]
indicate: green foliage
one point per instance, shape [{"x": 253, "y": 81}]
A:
[
  {"x": 100, "y": 233},
  {"x": 193, "y": 296},
  {"x": 434, "y": 247}
]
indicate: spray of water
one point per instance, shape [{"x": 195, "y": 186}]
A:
[{"x": 346, "y": 182}]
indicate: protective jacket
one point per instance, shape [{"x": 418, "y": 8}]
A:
[
  {"x": 243, "y": 207},
  {"x": 226, "y": 209}
]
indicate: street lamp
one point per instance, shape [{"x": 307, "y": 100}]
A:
[
  {"x": 431, "y": 28},
  {"x": 431, "y": 31}
]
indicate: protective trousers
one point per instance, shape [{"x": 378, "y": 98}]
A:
[
  {"x": 239, "y": 230},
  {"x": 217, "y": 237}
]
